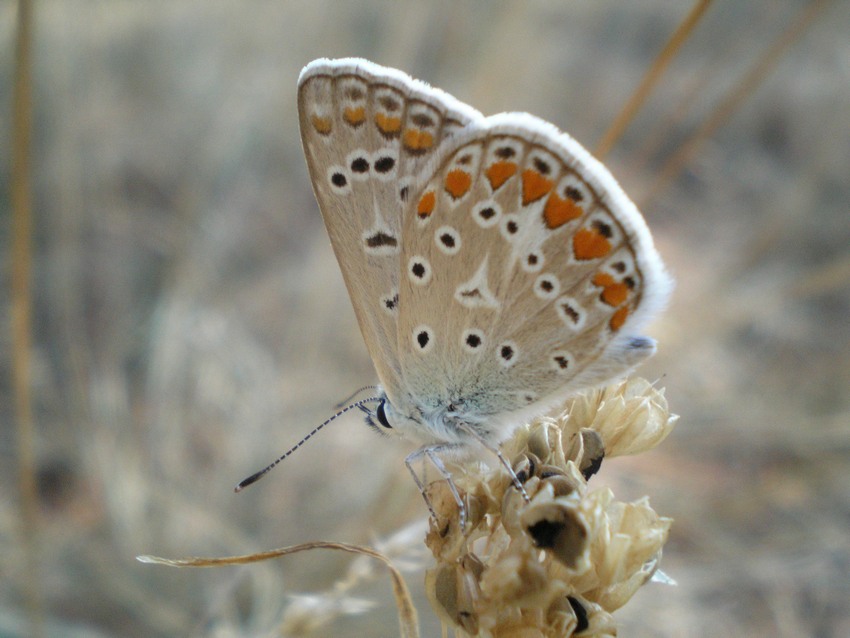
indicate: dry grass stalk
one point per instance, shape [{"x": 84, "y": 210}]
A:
[
  {"x": 650, "y": 78},
  {"x": 408, "y": 623}
]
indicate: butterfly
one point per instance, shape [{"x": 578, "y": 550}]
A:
[{"x": 495, "y": 267}]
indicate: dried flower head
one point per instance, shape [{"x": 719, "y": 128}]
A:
[{"x": 561, "y": 563}]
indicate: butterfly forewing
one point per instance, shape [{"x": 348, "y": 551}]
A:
[
  {"x": 367, "y": 132},
  {"x": 526, "y": 271}
]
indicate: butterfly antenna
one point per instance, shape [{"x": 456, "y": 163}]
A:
[
  {"x": 354, "y": 394},
  {"x": 258, "y": 475}
]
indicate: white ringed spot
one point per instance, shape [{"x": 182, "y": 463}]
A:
[
  {"x": 389, "y": 303},
  {"x": 547, "y": 286},
  {"x": 385, "y": 164},
  {"x": 423, "y": 338},
  {"x": 487, "y": 214},
  {"x": 419, "y": 270},
  {"x": 509, "y": 226},
  {"x": 447, "y": 240},
  {"x": 404, "y": 193},
  {"x": 472, "y": 340},
  {"x": 562, "y": 362},
  {"x": 507, "y": 353},
  {"x": 339, "y": 180},
  {"x": 533, "y": 261},
  {"x": 379, "y": 241},
  {"x": 359, "y": 164},
  {"x": 570, "y": 312}
]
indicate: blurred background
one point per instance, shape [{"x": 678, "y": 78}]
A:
[{"x": 190, "y": 322}]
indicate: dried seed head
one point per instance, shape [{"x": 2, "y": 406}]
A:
[
  {"x": 631, "y": 416},
  {"x": 590, "y": 452},
  {"x": 564, "y": 561},
  {"x": 453, "y": 590},
  {"x": 558, "y": 527}
]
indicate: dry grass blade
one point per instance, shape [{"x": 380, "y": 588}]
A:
[
  {"x": 407, "y": 617},
  {"x": 733, "y": 100},
  {"x": 650, "y": 78},
  {"x": 22, "y": 305}
]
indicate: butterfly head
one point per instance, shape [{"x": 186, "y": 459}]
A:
[{"x": 377, "y": 418}]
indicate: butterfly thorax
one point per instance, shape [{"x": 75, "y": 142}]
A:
[{"x": 439, "y": 420}]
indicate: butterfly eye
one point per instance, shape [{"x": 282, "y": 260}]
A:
[{"x": 381, "y": 415}]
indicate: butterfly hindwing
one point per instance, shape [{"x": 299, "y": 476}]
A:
[
  {"x": 525, "y": 272},
  {"x": 367, "y": 131}
]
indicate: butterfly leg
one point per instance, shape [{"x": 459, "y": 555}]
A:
[
  {"x": 495, "y": 450},
  {"x": 431, "y": 453}
]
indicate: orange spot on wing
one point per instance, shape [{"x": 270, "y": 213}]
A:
[
  {"x": 559, "y": 211},
  {"x": 388, "y": 125},
  {"x": 534, "y": 186},
  {"x": 614, "y": 293},
  {"x": 499, "y": 173},
  {"x": 589, "y": 244},
  {"x": 426, "y": 204},
  {"x": 416, "y": 140},
  {"x": 458, "y": 183},
  {"x": 619, "y": 318},
  {"x": 321, "y": 124},
  {"x": 354, "y": 116},
  {"x": 603, "y": 279}
]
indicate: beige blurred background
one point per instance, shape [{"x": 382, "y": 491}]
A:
[{"x": 190, "y": 321}]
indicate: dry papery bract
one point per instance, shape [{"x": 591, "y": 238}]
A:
[{"x": 560, "y": 564}]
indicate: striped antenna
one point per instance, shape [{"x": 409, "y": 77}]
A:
[{"x": 256, "y": 476}]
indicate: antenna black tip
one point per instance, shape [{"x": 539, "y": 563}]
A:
[{"x": 249, "y": 481}]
